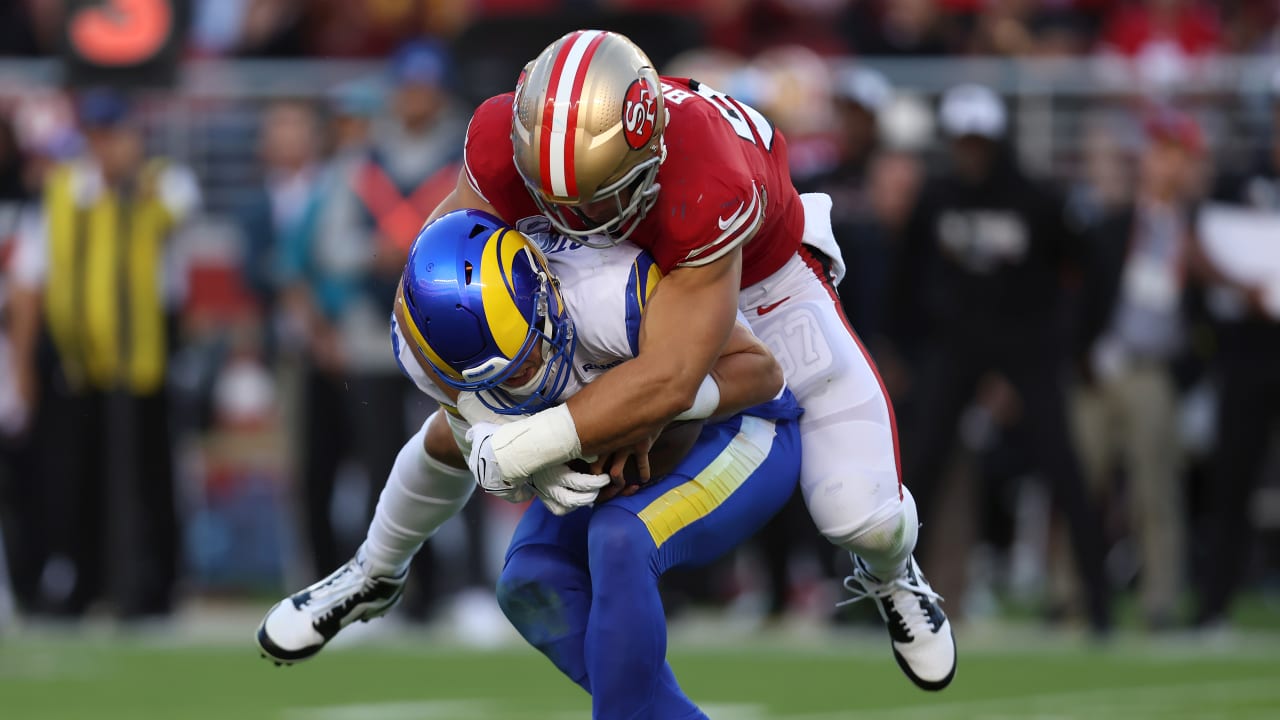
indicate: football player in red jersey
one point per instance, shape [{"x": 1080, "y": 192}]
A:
[{"x": 593, "y": 139}]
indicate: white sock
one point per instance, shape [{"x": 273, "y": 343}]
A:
[
  {"x": 886, "y": 545},
  {"x": 420, "y": 495}
]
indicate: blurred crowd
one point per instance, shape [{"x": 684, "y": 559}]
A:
[
  {"x": 1086, "y": 373},
  {"x": 1160, "y": 29}
]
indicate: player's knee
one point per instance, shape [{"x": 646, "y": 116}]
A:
[
  {"x": 515, "y": 592},
  {"x": 889, "y": 537},
  {"x": 891, "y": 532},
  {"x": 527, "y": 593},
  {"x": 617, "y": 539}
]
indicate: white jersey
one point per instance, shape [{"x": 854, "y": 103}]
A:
[{"x": 604, "y": 290}]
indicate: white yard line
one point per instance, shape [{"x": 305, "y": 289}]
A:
[
  {"x": 1153, "y": 700},
  {"x": 1147, "y": 701},
  {"x": 407, "y": 710},
  {"x": 715, "y": 711}
]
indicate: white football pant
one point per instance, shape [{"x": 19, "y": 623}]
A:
[{"x": 849, "y": 472}]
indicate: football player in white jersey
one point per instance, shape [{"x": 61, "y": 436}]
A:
[{"x": 487, "y": 320}]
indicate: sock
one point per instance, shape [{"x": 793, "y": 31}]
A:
[
  {"x": 420, "y": 495},
  {"x": 886, "y": 544},
  {"x": 626, "y": 639}
]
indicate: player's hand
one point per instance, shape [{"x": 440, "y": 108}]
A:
[
  {"x": 616, "y": 462},
  {"x": 484, "y": 467},
  {"x": 563, "y": 490},
  {"x": 616, "y": 487}
]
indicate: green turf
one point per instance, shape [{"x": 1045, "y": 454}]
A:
[{"x": 1002, "y": 675}]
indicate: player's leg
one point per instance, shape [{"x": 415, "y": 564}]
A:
[
  {"x": 324, "y": 442},
  {"x": 545, "y": 591},
  {"x": 1247, "y": 405},
  {"x": 850, "y": 473},
  {"x": 738, "y": 475},
  {"x": 1101, "y": 424},
  {"x": 545, "y": 588},
  {"x": 424, "y": 489},
  {"x": 1156, "y": 507},
  {"x": 1038, "y": 379}
]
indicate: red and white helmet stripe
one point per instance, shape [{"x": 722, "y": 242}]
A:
[{"x": 560, "y": 113}]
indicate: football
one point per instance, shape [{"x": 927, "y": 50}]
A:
[{"x": 668, "y": 450}]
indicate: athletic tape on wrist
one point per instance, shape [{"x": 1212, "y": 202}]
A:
[
  {"x": 704, "y": 403},
  {"x": 536, "y": 442}
]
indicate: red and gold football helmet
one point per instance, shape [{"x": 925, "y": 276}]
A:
[{"x": 587, "y": 130}]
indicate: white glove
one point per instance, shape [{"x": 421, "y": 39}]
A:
[
  {"x": 484, "y": 467},
  {"x": 563, "y": 490}
]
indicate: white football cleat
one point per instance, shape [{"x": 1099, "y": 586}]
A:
[
  {"x": 920, "y": 633},
  {"x": 299, "y": 626}
]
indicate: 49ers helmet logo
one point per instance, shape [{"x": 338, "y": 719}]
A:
[{"x": 638, "y": 114}]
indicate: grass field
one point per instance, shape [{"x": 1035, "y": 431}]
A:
[{"x": 816, "y": 675}]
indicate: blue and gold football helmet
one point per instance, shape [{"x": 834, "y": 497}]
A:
[{"x": 478, "y": 299}]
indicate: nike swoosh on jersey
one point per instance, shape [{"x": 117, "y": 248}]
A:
[
  {"x": 766, "y": 309},
  {"x": 741, "y": 224},
  {"x": 724, "y": 223}
]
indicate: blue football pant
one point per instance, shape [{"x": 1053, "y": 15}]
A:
[{"x": 583, "y": 588}]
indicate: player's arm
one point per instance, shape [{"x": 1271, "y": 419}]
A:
[
  {"x": 678, "y": 348},
  {"x": 745, "y": 375},
  {"x": 462, "y": 197},
  {"x": 631, "y": 403}
]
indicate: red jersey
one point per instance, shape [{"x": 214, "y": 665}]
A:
[{"x": 725, "y": 177}]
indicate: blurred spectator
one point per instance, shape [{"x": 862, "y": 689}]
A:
[
  {"x": 1158, "y": 42},
  {"x": 978, "y": 285},
  {"x": 103, "y": 258},
  {"x": 1252, "y": 27},
  {"x": 353, "y": 106},
  {"x": 17, "y": 32},
  {"x": 791, "y": 85},
  {"x": 216, "y": 26},
  {"x": 1131, "y": 332},
  {"x": 1026, "y": 28},
  {"x": 271, "y": 28},
  {"x": 286, "y": 202},
  {"x": 47, "y": 21},
  {"x": 747, "y": 26},
  {"x": 1246, "y": 311},
  {"x": 897, "y": 27},
  {"x": 322, "y": 28},
  {"x": 340, "y": 28},
  {"x": 1104, "y": 186},
  {"x": 20, "y": 497},
  {"x": 340, "y": 279},
  {"x": 863, "y": 225}
]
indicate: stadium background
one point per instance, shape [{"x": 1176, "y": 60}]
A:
[{"x": 1080, "y": 80}]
